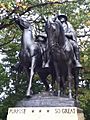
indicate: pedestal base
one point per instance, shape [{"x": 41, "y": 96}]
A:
[
  {"x": 45, "y": 106},
  {"x": 45, "y": 99}
]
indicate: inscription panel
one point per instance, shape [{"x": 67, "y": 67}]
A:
[{"x": 42, "y": 113}]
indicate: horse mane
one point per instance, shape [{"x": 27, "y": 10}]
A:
[{"x": 61, "y": 33}]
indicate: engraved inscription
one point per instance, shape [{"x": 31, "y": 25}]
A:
[
  {"x": 42, "y": 113},
  {"x": 17, "y": 111},
  {"x": 65, "y": 110},
  {"x": 57, "y": 110},
  {"x": 69, "y": 111}
]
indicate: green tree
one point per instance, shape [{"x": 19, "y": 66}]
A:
[{"x": 78, "y": 13}]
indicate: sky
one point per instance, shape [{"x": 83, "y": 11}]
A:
[{"x": 1, "y": 56}]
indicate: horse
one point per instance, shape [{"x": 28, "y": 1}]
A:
[
  {"x": 30, "y": 54},
  {"x": 62, "y": 54}
]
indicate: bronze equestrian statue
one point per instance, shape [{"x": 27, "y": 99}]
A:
[
  {"x": 30, "y": 54},
  {"x": 62, "y": 54},
  {"x": 71, "y": 35}
]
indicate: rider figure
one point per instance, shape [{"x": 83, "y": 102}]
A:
[
  {"x": 42, "y": 40},
  {"x": 71, "y": 35}
]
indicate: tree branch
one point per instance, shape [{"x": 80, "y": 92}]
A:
[
  {"x": 2, "y": 25},
  {"x": 5, "y": 25},
  {"x": 43, "y": 4},
  {"x": 83, "y": 35},
  {"x": 7, "y": 42}
]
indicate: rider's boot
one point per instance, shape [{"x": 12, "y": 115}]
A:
[
  {"x": 43, "y": 65},
  {"x": 47, "y": 64},
  {"x": 78, "y": 65}
]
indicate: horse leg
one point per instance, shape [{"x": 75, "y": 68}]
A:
[
  {"x": 52, "y": 73},
  {"x": 31, "y": 76},
  {"x": 76, "y": 83},
  {"x": 53, "y": 82},
  {"x": 69, "y": 79},
  {"x": 43, "y": 76},
  {"x": 57, "y": 78},
  {"x": 63, "y": 85},
  {"x": 45, "y": 83}
]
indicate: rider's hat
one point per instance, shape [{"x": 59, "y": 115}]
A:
[{"x": 62, "y": 16}]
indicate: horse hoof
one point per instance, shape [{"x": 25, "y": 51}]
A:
[
  {"x": 77, "y": 103},
  {"x": 70, "y": 96},
  {"x": 28, "y": 96},
  {"x": 47, "y": 89}
]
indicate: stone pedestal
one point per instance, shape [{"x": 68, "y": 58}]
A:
[
  {"x": 46, "y": 99},
  {"x": 45, "y": 104},
  {"x": 80, "y": 114}
]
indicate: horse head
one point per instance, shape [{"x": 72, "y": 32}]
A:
[
  {"x": 22, "y": 22},
  {"x": 55, "y": 32}
]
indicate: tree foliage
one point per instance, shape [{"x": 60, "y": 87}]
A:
[{"x": 13, "y": 89}]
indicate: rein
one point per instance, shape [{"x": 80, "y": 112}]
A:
[{"x": 56, "y": 45}]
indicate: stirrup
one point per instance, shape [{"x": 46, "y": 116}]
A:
[
  {"x": 46, "y": 65},
  {"x": 78, "y": 65}
]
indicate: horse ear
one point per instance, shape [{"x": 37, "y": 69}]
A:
[
  {"x": 24, "y": 24},
  {"x": 54, "y": 27},
  {"x": 48, "y": 22},
  {"x": 44, "y": 18},
  {"x": 16, "y": 16}
]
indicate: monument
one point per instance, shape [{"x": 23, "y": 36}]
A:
[{"x": 47, "y": 105}]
